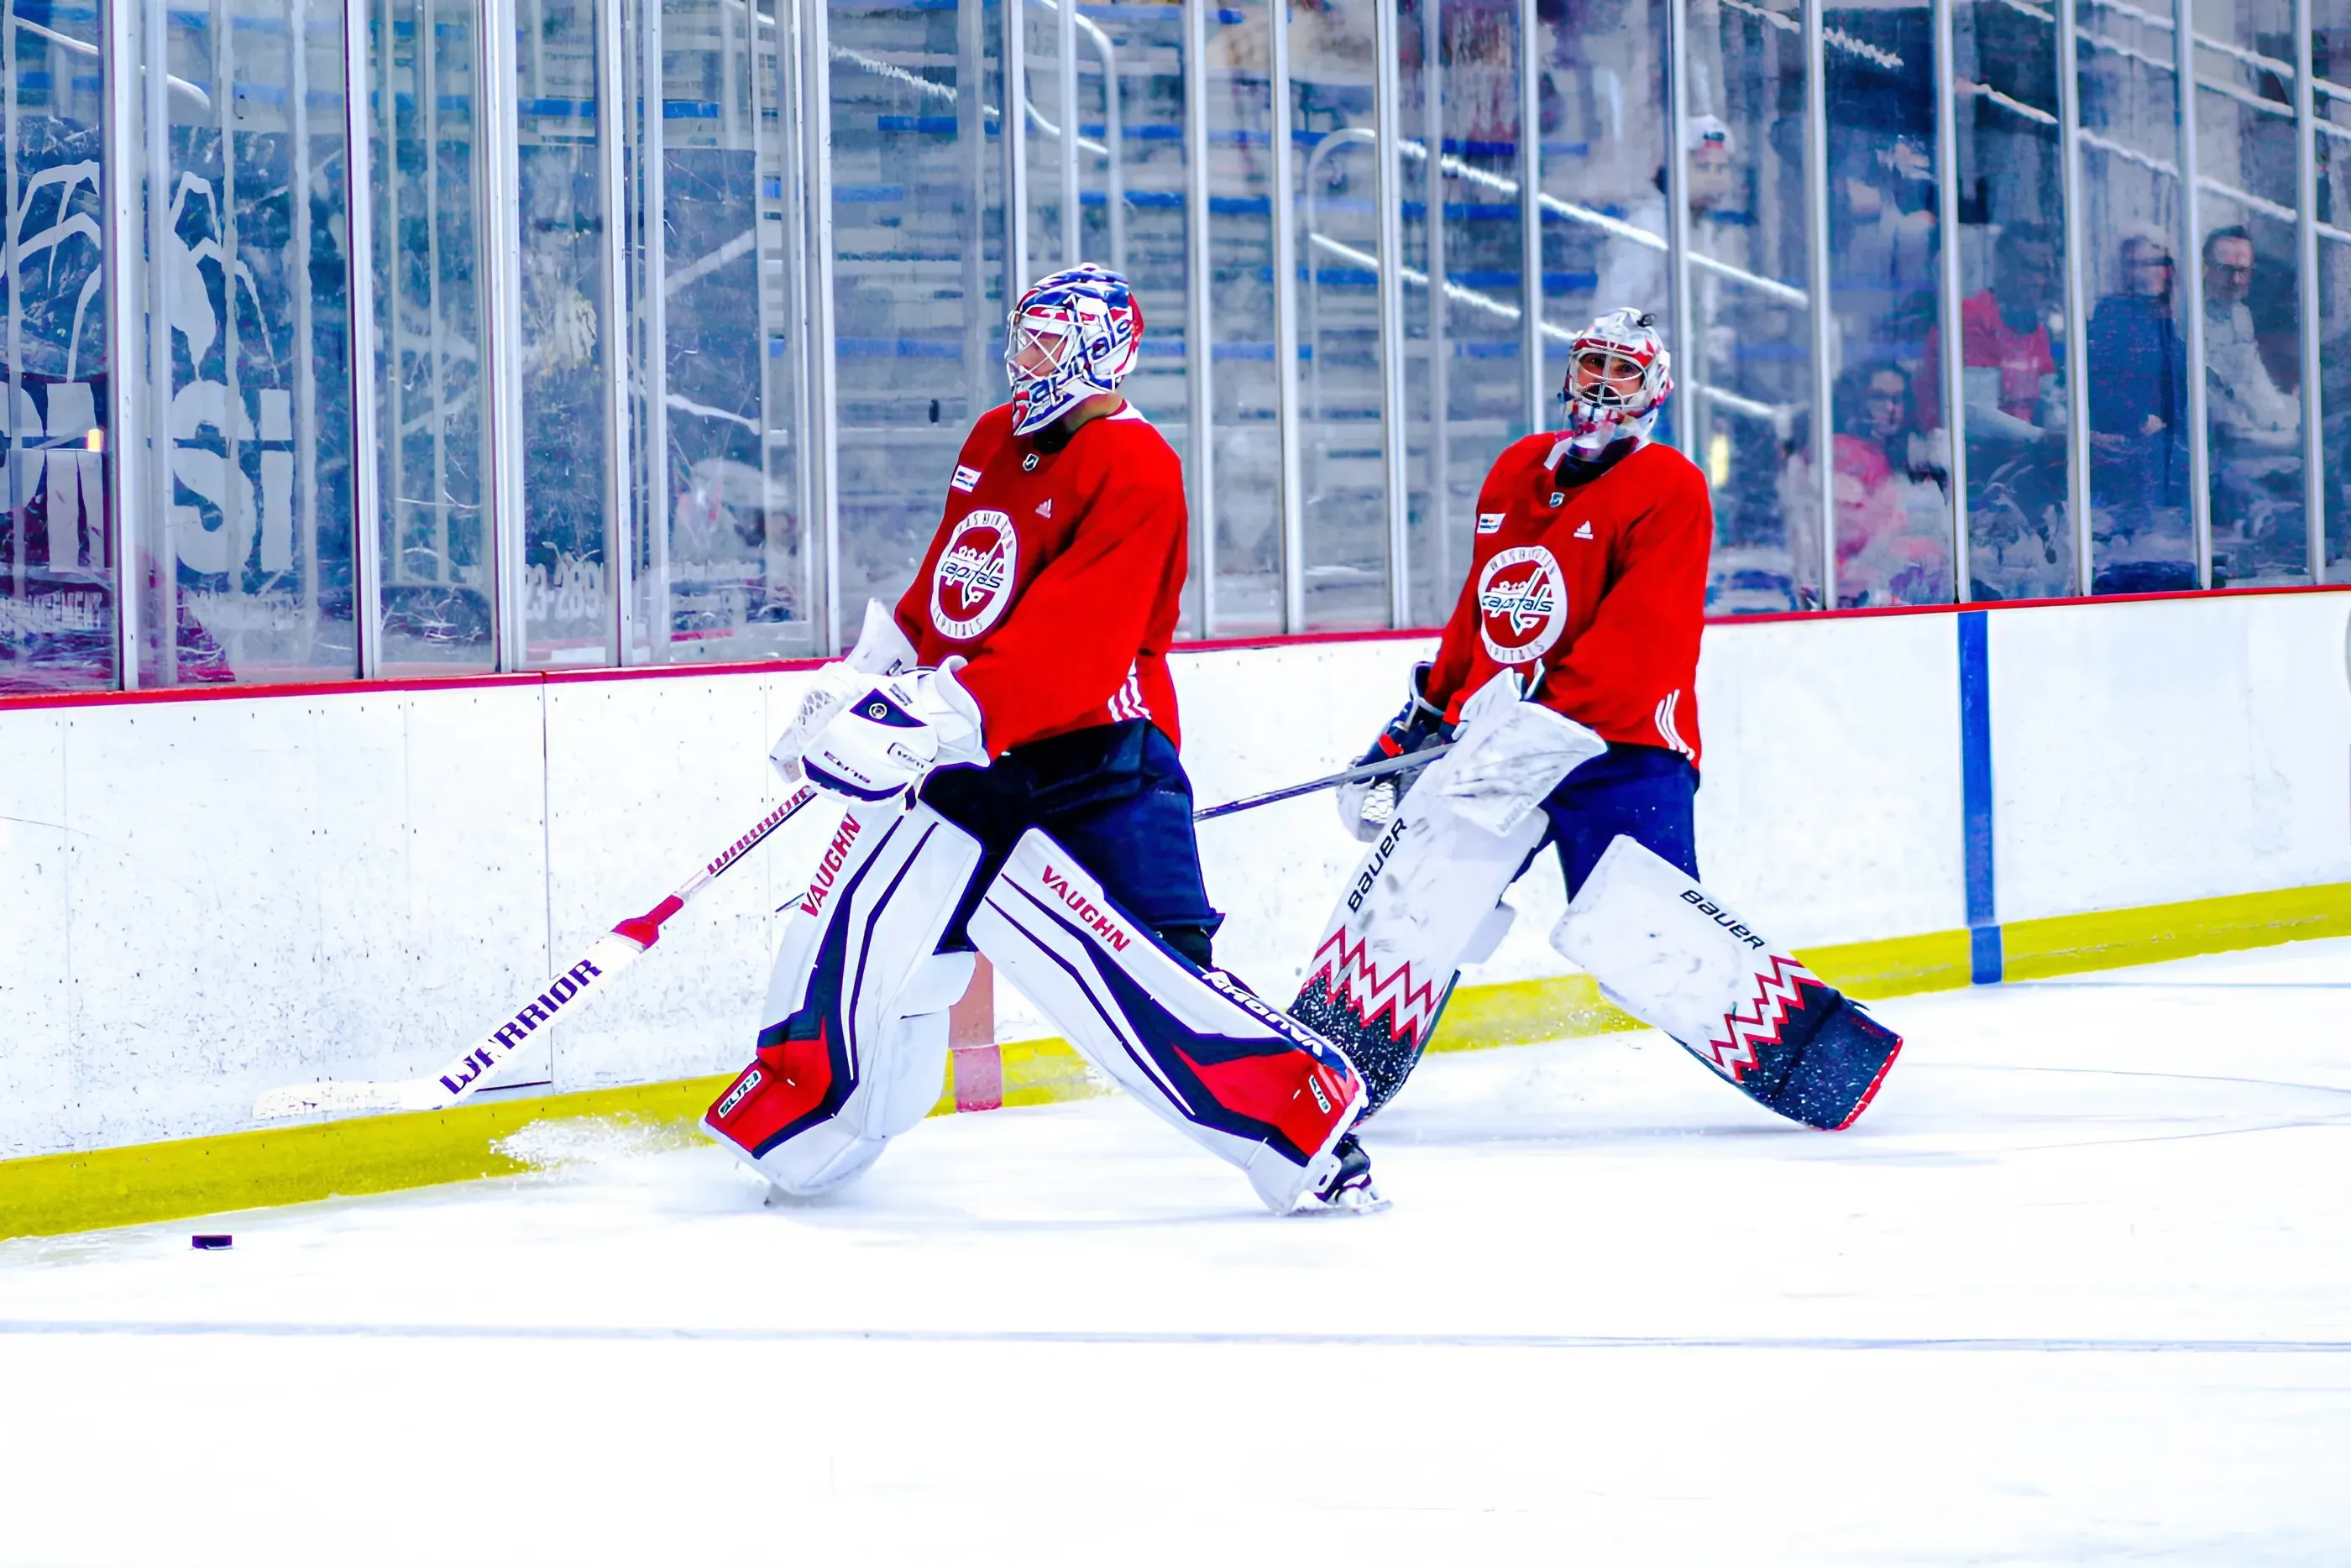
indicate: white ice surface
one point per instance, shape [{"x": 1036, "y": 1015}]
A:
[{"x": 2078, "y": 1289}]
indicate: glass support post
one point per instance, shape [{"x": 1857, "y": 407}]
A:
[
  {"x": 359, "y": 204},
  {"x": 305, "y": 359},
  {"x": 1285, "y": 322},
  {"x": 152, "y": 559},
  {"x": 652, "y": 191},
  {"x": 612, "y": 333},
  {"x": 234, "y": 427},
  {"x": 2306, "y": 158},
  {"x": 499, "y": 209},
  {"x": 1065, "y": 61},
  {"x": 1199, "y": 406},
  {"x": 971, "y": 146},
  {"x": 1953, "y": 353},
  {"x": 1388, "y": 195},
  {"x": 1822, "y": 322},
  {"x": 1530, "y": 290},
  {"x": 2190, "y": 283},
  {"x": 128, "y": 434},
  {"x": 1440, "y": 390},
  {"x": 816, "y": 107},
  {"x": 2077, "y": 293},
  {"x": 1015, "y": 125},
  {"x": 1687, "y": 339}
]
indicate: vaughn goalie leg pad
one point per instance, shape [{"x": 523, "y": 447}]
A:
[
  {"x": 1667, "y": 952},
  {"x": 1239, "y": 1078},
  {"x": 1427, "y": 898},
  {"x": 861, "y": 998}
]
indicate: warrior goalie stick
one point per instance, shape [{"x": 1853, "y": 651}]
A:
[
  {"x": 1381, "y": 769},
  {"x": 594, "y": 970}
]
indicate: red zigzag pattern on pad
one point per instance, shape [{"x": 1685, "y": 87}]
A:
[
  {"x": 1407, "y": 1006},
  {"x": 1776, "y": 990}
]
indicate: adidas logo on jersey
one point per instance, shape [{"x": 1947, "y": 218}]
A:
[
  {"x": 964, "y": 478},
  {"x": 1045, "y": 508},
  {"x": 1489, "y": 521},
  {"x": 1584, "y": 531}
]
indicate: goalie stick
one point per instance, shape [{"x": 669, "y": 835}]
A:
[
  {"x": 612, "y": 953},
  {"x": 1357, "y": 774},
  {"x": 623, "y": 944}
]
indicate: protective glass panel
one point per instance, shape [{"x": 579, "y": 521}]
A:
[
  {"x": 918, "y": 272},
  {"x": 1133, "y": 200},
  {"x": 1884, "y": 272},
  {"x": 2246, "y": 206},
  {"x": 1602, "y": 94},
  {"x": 1745, "y": 366},
  {"x": 56, "y": 579},
  {"x": 1336, "y": 214},
  {"x": 2136, "y": 360},
  {"x": 430, "y": 416},
  {"x": 258, "y": 517},
  {"x": 2014, "y": 338},
  {"x": 565, "y": 336},
  {"x": 2330, "y": 37},
  {"x": 1241, "y": 575},
  {"x": 1058, "y": 167},
  {"x": 727, "y": 569},
  {"x": 1463, "y": 388}
]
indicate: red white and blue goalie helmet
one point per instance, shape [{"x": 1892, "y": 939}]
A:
[
  {"x": 1618, "y": 378},
  {"x": 1086, "y": 321}
]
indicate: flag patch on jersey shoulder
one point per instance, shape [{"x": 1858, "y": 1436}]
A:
[
  {"x": 964, "y": 478},
  {"x": 1489, "y": 521}
]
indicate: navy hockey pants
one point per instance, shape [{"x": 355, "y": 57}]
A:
[
  {"x": 1646, "y": 792},
  {"x": 1116, "y": 797}
]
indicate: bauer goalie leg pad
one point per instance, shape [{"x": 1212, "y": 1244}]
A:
[
  {"x": 1428, "y": 897},
  {"x": 1240, "y": 1078},
  {"x": 861, "y": 998},
  {"x": 1667, "y": 951}
]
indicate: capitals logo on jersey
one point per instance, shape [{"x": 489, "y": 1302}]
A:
[
  {"x": 973, "y": 582},
  {"x": 1522, "y": 605}
]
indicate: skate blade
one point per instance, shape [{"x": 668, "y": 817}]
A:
[{"x": 1356, "y": 1204}]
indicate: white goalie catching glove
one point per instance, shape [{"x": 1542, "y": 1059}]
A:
[
  {"x": 887, "y": 737},
  {"x": 881, "y": 650}
]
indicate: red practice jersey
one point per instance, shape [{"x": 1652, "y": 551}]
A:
[
  {"x": 1058, "y": 575},
  {"x": 1596, "y": 590}
]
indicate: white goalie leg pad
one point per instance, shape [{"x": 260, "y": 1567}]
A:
[
  {"x": 1671, "y": 954},
  {"x": 1426, "y": 899},
  {"x": 1231, "y": 1071},
  {"x": 857, "y": 1051}
]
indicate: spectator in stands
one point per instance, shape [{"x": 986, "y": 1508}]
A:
[
  {"x": 2245, "y": 406},
  {"x": 2255, "y": 426},
  {"x": 2015, "y": 424},
  {"x": 2137, "y": 367},
  {"x": 1893, "y": 519}
]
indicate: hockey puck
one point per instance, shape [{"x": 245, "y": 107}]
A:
[{"x": 211, "y": 1243}]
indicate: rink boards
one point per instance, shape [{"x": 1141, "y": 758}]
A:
[{"x": 211, "y": 895}]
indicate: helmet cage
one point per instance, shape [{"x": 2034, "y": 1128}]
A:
[
  {"x": 1603, "y": 410},
  {"x": 1085, "y": 323}
]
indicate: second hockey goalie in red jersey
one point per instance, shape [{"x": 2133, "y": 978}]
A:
[{"x": 1567, "y": 679}]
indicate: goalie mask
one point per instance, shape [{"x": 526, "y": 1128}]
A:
[
  {"x": 1074, "y": 336},
  {"x": 1618, "y": 376}
]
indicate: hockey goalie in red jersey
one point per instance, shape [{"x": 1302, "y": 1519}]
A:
[
  {"x": 1567, "y": 682},
  {"x": 1005, "y": 745}
]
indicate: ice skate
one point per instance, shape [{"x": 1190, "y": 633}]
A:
[{"x": 1348, "y": 1189}]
